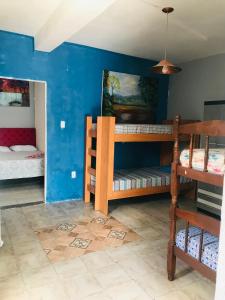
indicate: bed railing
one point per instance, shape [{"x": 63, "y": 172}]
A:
[
  {"x": 208, "y": 128},
  {"x": 195, "y": 130},
  {"x": 205, "y": 224}
]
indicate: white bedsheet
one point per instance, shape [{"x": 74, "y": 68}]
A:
[
  {"x": 141, "y": 128},
  {"x": 15, "y": 165}
]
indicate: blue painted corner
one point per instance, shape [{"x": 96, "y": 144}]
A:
[{"x": 74, "y": 79}]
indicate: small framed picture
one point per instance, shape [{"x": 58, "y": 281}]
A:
[{"x": 14, "y": 93}]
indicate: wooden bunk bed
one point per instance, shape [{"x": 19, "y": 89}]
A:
[
  {"x": 197, "y": 244},
  {"x": 106, "y": 134}
]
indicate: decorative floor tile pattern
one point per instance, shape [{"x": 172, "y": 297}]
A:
[
  {"x": 66, "y": 227},
  {"x": 68, "y": 240}
]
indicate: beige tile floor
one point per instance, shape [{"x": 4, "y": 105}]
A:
[
  {"x": 17, "y": 192},
  {"x": 134, "y": 271}
]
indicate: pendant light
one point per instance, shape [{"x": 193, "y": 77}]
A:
[{"x": 165, "y": 66}]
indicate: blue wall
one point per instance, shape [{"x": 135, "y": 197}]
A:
[{"x": 74, "y": 77}]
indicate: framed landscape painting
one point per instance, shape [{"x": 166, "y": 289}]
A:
[
  {"x": 14, "y": 93},
  {"x": 130, "y": 98}
]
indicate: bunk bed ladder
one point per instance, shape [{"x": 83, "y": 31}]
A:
[{"x": 89, "y": 153}]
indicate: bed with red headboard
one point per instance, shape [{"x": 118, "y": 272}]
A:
[
  {"x": 22, "y": 164},
  {"x": 17, "y": 136}
]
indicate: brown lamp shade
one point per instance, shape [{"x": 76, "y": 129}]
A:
[{"x": 165, "y": 67}]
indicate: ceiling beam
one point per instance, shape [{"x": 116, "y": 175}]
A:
[{"x": 69, "y": 17}]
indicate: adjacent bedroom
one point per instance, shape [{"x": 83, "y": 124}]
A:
[
  {"x": 112, "y": 150},
  {"x": 22, "y": 142}
]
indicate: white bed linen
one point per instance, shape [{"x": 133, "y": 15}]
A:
[
  {"x": 15, "y": 165},
  {"x": 141, "y": 128}
]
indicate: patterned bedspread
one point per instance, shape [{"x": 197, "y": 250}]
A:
[
  {"x": 216, "y": 162},
  {"x": 210, "y": 246},
  {"x": 140, "y": 178},
  {"x": 14, "y": 165},
  {"x": 142, "y": 128}
]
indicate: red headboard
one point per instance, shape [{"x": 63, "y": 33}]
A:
[{"x": 17, "y": 136}]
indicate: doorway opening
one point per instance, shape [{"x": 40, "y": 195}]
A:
[{"x": 23, "y": 158}]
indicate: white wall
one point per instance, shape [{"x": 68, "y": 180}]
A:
[
  {"x": 39, "y": 103},
  {"x": 18, "y": 117},
  {"x": 199, "y": 81}
]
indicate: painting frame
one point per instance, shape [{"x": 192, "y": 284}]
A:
[
  {"x": 130, "y": 98},
  {"x": 14, "y": 93}
]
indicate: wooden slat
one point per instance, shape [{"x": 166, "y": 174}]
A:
[
  {"x": 191, "y": 151},
  {"x": 87, "y": 159},
  {"x": 92, "y": 171},
  {"x": 200, "y": 245},
  {"x": 207, "y": 223},
  {"x": 186, "y": 236},
  {"x": 200, "y": 176},
  {"x": 99, "y": 143},
  {"x": 92, "y": 152},
  {"x": 147, "y": 137},
  {"x": 206, "y": 157},
  {"x": 182, "y": 121},
  {"x": 195, "y": 264},
  {"x": 211, "y": 128},
  {"x": 139, "y": 192},
  {"x": 146, "y": 191}
]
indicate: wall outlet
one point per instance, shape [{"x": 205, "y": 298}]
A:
[
  {"x": 62, "y": 124},
  {"x": 73, "y": 174}
]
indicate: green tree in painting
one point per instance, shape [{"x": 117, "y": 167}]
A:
[
  {"x": 149, "y": 87},
  {"x": 114, "y": 83},
  {"x": 107, "y": 108}
]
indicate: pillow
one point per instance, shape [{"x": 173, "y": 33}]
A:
[
  {"x": 4, "y": 149},
  {"x": 18, "y": 148}
]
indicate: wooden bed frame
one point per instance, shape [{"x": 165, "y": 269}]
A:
[
  {"x": 205, "y": 223},
  {"x": 105, "y": 143}
]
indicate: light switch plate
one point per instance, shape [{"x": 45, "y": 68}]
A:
[
  {"x": 62, "y": 124},
  {"x": 73, "y": 174}
]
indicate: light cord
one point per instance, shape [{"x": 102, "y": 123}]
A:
[{"x": 167, "y": 34}]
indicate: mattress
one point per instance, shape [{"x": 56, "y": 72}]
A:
[
  {"x": 140, "y": 178},
  {"x": 142, "y": 128},
  {"x": 14, "y": 165},
  {"x": 216, "y": 160},
  {"x": 209, "y": 250}
]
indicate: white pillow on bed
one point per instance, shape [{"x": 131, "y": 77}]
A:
[
  {"x": 18, "y": 148},
  {"x": 4, "y": 149}
]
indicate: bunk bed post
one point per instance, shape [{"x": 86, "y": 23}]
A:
[
  {"x": 171, "y": 258},
  {"x": 104, "y": 162},
  {"x": 87, "y": 159}
]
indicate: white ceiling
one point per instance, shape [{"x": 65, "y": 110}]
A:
[
  {"x": 25, "y": 16},
  {"x": 135, "y": 27}
]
